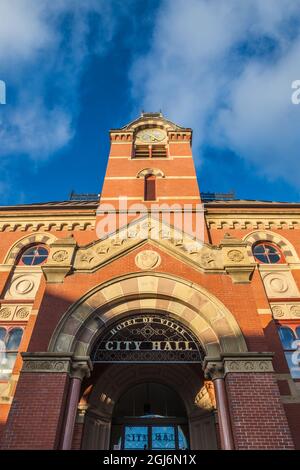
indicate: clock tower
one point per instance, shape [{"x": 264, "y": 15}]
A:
[{"x": 151, "y": 167}]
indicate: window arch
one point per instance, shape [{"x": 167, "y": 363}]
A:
[
  {"x": 150, "y": 188},
  {"x": 34, "y": 255},
  {"x": 10, "y": 340},
  {"x": 267, "y": 253}
]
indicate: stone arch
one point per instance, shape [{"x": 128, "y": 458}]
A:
[
  {"x": 19, "y": 245},
  {"x": 118, "y": 378},
  {"x": 150, "y": 171},
  {"x": 285, "y": 245},
  {"x": 211, "y": 322}
]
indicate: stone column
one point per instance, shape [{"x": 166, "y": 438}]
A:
[
  {"x": 214, "y": 370},
  {"x": 81, "y": 367}
]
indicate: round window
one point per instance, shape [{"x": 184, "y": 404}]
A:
[
  {"x": 34, "y": 255},
  {"x": 267, "y": 253}
]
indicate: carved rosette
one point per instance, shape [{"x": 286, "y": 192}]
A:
[
  {"x": 5, "y": 313},
  {"x": 286, "y": 311},
  {"x": 147, "y": 259},
  {"x": 246, "y": 365},
  {"x": 60, "y": 256},
  {"x": 235, "y": 255}
]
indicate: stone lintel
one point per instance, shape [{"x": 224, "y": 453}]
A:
[
  {"x": 45, "y": 362},
  {"x": 250, "y": 362}
]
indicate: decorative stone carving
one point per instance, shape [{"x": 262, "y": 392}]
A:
[
  {"x": 260, "y": 362},
  {"x": 295, "y": 311},
  {"x": 23, "y": 286},
  {"x": 287, "y": 311},
  {"x": 203, "y": 399},
  {"x": 214, "y": 370},
  {"x": 22, "y": 313},
  {"x": 207, "y": 260},
  {"x": 60, "y": 256},
  {"x": 235, "y": 255},
  {"x": 5, "y": 313},
  {"x": 45, "y": 366},
  {"x": 147, "y": 259},
  {"x": 278, "y": 311},
  {"x": 279, "y": 284}
]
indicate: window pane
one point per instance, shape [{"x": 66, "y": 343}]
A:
[
  {"x": 34, "y": 255},
  {"x": 262, "y": 258},
  {"x": 7, "y": 362},
  {"x": 274, "y": 258},
  {"x": 293, "y": 360},
  {"x": 271, "y": 249},
  {"x": 42, "y": 251},
  {"x": 258, "y": 249},
  {"x": 2, "y": 333},
  {"x": 163, "y": 437},
  {"x": 136, "y": 437},
  {"x": 14, "y": 339},
  {"x": 287, "y": 337}
]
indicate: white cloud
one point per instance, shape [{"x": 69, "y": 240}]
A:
[
  {"x": 45, "y": 43},
  {"x": 225, "y": 68}
]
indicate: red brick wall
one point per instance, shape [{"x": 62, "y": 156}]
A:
[
  {"x": 257, "y": 415},
  {"x": 36, "y": 413}
]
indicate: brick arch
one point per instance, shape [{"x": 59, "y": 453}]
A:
[
  {"x": 20, "y": 244},
  {"x": 211, "y": 322},
  {"x": 286, "y": 247},
  {"x": 150, "y": 171}
]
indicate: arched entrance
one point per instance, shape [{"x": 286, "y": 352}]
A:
[
  {"x": 149, "y": 416},
  {"x": 120, "y": 398},
  {"x": 100, "y": 326}
]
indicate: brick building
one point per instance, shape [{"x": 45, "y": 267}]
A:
[{"x": 124, "y": 324}]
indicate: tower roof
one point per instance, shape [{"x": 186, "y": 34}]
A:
[{"x": 152, "y": 119}]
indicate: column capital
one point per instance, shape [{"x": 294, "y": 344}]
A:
[
  {"x": 213, "y": 368},
  {"x": 81, "y": 367}
]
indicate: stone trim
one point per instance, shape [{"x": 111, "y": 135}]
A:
[
  {"x": 248, "y": 363},
  {"x": 217, "y": 368},
  {"x": 40, "y": 362}
]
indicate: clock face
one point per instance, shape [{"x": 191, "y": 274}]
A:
[{"x": 151, "y": 135}]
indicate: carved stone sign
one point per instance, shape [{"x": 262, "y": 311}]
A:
[{"x": 149, "y": 338}]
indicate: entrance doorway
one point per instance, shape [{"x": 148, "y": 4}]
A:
[{"x": 149, "y": 416}]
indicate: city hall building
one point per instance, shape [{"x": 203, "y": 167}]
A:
[{"x": 153, "y": 316}]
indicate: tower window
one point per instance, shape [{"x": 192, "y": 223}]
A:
[
  {"x": 159, "y": 151},
  {"x": 150, "y": 188},
  {"x": 34, "y": 255},
  {"x": 150, "y": 151},
  {"x": 142, "y": 151},
  {"x": 266, "y": 252}
]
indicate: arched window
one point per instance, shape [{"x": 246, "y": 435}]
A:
[
  {"x": 150, "y": 188},
  {"x": 291, "y": 345},
  {"x": 287, "y": 337},
  {"x": 266, "y": 252},
  {"x": 34, "y": 255},
  {"x": 10, "y": 340}
]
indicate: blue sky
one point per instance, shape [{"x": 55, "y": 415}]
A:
[{"x": 73, "y": 70}]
